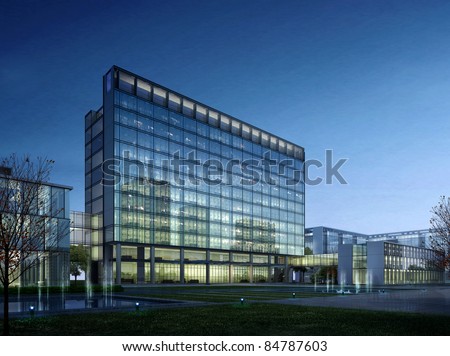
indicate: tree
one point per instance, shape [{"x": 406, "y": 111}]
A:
[
  {"x": 78, "y": 260},
  {"x": 440, "y": 232},
  {"x": 324, "y": 274},
  {"x": 27, "y": 230}
]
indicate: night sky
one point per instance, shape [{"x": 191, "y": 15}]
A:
[{"x": 368, "y": 79}]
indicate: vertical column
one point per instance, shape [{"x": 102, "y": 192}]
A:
[
  {"x": 230, "y": 266},
  {"x": 43, "y": 277},
  {"x": 118, "y": 264},
  {"x": 107, "y": 263},
  {"x": 208, "y": 260},
  {"x": 152, "y": 265},
  {"x": 182, "y": 265},
  {"x": 140, "y": 265},
  {"x": 286, "y": 270},
  {"x": 250, "y": 269},
  {"x": 36, "y": 274},
  {"x": 269, "y": 268}
]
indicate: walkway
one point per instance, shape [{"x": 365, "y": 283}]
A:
[{"x": 429, "y": 300}]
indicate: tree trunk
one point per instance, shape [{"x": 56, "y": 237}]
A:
[
  {"x": 6, "y": 305},
  {"x": 76, "y": 280}
]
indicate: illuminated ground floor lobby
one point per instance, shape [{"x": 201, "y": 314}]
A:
[
  {"x": 151, "y": 265},
  {"x": 140, "y": 264}
]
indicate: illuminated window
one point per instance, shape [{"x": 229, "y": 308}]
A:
[
  {"x": 126, "y": 82},
  {"x": 144, "y": 89},
  {"x": 159, "y": 96}
]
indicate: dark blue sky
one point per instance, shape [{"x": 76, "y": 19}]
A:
[{"x": 368, "y": 79}]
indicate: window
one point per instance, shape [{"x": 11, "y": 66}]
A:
[
  {"x": 174, "y": 102},
  {"x": 235, "y": 127},
  {"x": 282, "y": 146},
  {"x": 214, "y": 135},
  {"x": 97, "y": 159},
  {"x": 264, "y": 139},
  {"x": 97, "y": 175},
  {"x": 213, "y": 118},
  {"x": 247, "y": 145},
  {"x": 273, "y": 143},
  {"x": 202, "y": 129},
  {"x": 97, "y": 143},
  {"x": 145, "y": 140},
  {"x": 176, "y": 119},
  {"x": 127, "y": 151},
  {"x": 200, "y": 113},
  {"x": 175, "y": 134},
  {"x": 161, "y": 129},
  {"x": 127, "y": 101},
  {"x": 226, "y": 138},
  {"x": 290, "y": 149},
  {"x": 256, "y": 135},
  {"x": 161, "y": 145},
  {"x": 97, "y": 127},
  {"x": 237, "y": 143},
  {"x": 161, "y": 114},
  {"x": 189, "y": 139},
  {"x": 225, "y": 123},
  {"x": 125, "y": 117},
  {"x": 58, "y": 202},
  {"x": 188, "y": 107},
  {"x": 190, "y": 125},
  {"x": 246, "y": 132},
  {"x": 145, "y": 108},
  {"x": 159, "y": 96},
  {"x": 144, "y": 89},
  {"x": 126, "y": 82},
  {"x": 146, "y": 124},
  {"x": 127, "y": 134}
]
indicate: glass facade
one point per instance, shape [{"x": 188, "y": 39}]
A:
[
  {"x": 80, "y": 232},
  {"x": 322, "y": 260},
  {"x": 359, "y": 264},
  {"x": 410, "y": 265},
  {"x": 418, "y": 238},
  {"x": 325, "y": 240},
  {"x": 212, "y": 198},
  {"x": 391, "y": 258},
  {"x": 47, "y": 214}
]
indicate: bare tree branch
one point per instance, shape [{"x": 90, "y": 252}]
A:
[
  {"x": 30, "y": 227},
  {"x": 440, "y": 232}
]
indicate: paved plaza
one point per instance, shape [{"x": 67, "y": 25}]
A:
[
  {"x": 414, "y": 299},
  {"x": 430, "y": 300}
]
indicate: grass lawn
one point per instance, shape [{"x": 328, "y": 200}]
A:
[{"x": 236, "y": 319}]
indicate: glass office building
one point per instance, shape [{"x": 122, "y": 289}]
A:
[
  {"x": 47, "y": 224},
  {"x": 379, "y": 259},
  {"x": 415, "y": 238},
  {"x": 80, "y": 228},
  {"x": 325, "y": 240},
  {"x": 182, "y": 192}
]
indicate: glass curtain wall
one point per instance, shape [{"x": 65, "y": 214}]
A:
[{"x": 165, "y": 147}]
